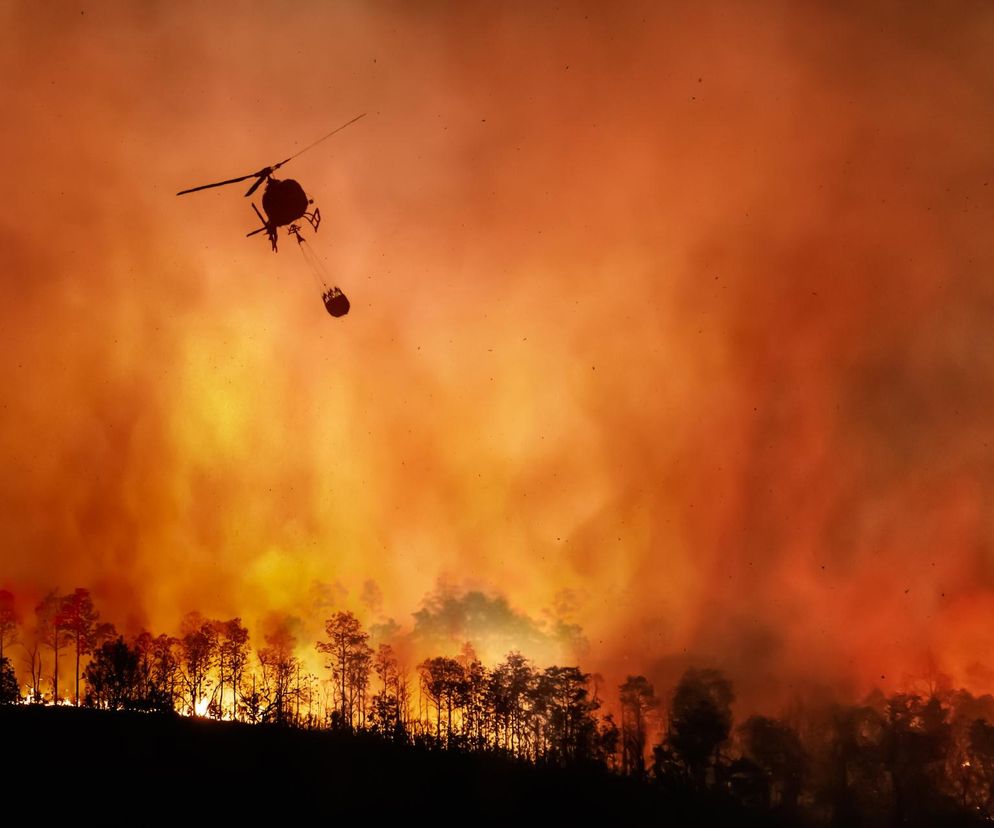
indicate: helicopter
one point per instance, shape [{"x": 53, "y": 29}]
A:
[{"x": 284, "y": 200}]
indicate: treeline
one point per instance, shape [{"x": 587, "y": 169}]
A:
[{"x": 920, "y": 758}]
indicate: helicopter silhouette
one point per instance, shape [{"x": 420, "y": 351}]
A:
[{"x": 284, "y": 200}]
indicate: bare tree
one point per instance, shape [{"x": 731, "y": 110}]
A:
[
  {"x": 475, "y": 701},
  {"x": 51, "y": 633},
  {"x": 386, "y": 714},
  {"x": 232, "y": 655},
  {"x": 198, "y": 646},
  {"x": 638, "y": 702},
  {"x": 78, "y": 618},
  {"x": 280, "y": 669},
  {"x": 349, "y": 660},
  {"x": 159, "y": 670},
  {"x": 443, "y": 682},
  {"x": 32, "y": 653}
]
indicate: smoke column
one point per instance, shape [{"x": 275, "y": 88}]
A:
[{"x": 669, "y": 321}]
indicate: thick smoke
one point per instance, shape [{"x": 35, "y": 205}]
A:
[{"x": 676, "y": 317}]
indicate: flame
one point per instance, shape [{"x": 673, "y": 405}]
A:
[{"x": 695, "y": 335}]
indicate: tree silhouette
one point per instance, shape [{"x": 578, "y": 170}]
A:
[
  {"x": 78, "y": 618},
  {"x": 915, "y": 744},
  {"x": 32, "y": 658},
  {"x": 280, "y": 669},
  {"x": 571, "y": 729},
  {"x": 9, "y": 694},
  {"x": 232, "y": 655},
  {"x": 349, "y": 660},
  {"x": 386, "y": 717},
  {"x": 853, "y": 757},
  {"x": 442, "y": 681},
  {"x": 775, "y": 748},
  {"x": 198, "y": 648},
  {"x": 474, "y": 697},
  {"x": 638, "y": 702},
  {"x": 700, "y": 721},
  {"x": 113, "y": 676},
  {"x": 159, "y": 670},
  {"x": 979, "y": 763},
  {"x": 359, "y": 668},
  {"x": 51, "y": 633},
  {"x": 507, "y": 697},
  {"x": 251, "y": 702},
  {"x": 608, "y": 740}
]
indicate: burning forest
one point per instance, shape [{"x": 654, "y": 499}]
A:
[
  {"x": 617, "y": 360},
  {"x": 923, "y": 757}
]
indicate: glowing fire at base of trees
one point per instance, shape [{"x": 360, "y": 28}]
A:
[{"x": 931, "y": 746}]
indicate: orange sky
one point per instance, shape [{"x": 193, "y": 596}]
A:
[{"x": 670, "y": 320}]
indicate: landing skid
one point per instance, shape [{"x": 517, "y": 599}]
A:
[{"x": 293, "y": 230}]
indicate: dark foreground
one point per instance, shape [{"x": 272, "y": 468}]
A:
[{"x": 139, "y": 769}]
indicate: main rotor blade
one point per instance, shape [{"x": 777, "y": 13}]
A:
[
  {"x": 261, "y": 173},
  {"x": 263, "y": 176},
  {"x": 325, "y": 138},
  {"x": 264, "y": 173}
]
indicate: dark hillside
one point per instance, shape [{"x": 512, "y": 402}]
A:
[{"x": 132, "y": 768}]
